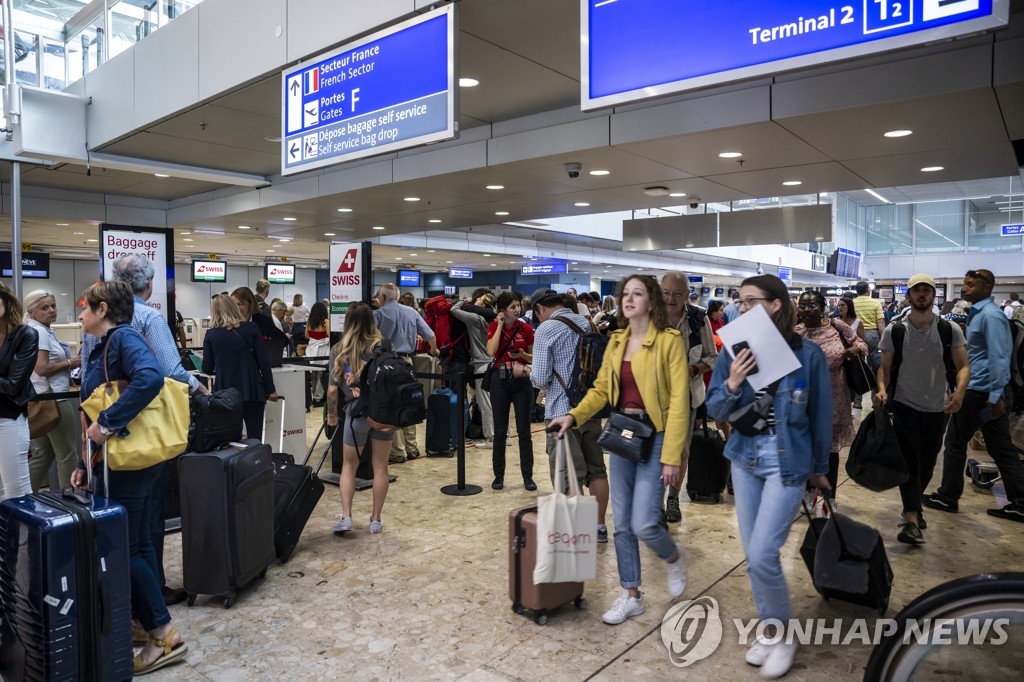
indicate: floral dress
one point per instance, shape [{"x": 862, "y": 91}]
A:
[{"x": 828, "y": 338}]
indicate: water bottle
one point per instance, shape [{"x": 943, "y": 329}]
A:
[{"x": 800, "y": 393}]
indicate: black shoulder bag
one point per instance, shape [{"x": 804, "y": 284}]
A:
[
  {"x": 859, "y": 377},
  {"x": 628, "y": 435}
]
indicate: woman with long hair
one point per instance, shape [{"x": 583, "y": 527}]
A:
[
  {"x": 644, "y": 374},
  {"x": 848, "y": 315},
  {"x": 249, "y": 307},
  {"x": 839, "y": 343},
  {"x": 716, "y": 314},
  {"x": 52, "y": 375},
  {"x": 773, "y": 464},
  {"x": 300, "y": 313},
  {"x": 124, "y": 355},
  {"x": 355, "y": 349},
  {"x": 19, "y": 346},
  {"x": 510, "y": 343},
  {"x": 232, "y": 351}
]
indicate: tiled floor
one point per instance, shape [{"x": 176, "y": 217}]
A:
[{"x": 428, "y": 597}]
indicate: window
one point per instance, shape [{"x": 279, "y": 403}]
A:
[{"x": 939, "y": 227}]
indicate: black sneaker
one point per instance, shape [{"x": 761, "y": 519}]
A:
[
  {"x": 672, "y": 513},
  {"x": 910, "y": 535},
  {"x": 414, "y": 454},
  {"x": 1013, "y": 512},
  {"x": 498, "y": 483},
  {"x": 939, "y": 501},
  {"x": 921, "y": 523},
  {"x": 529, "y": 484}
]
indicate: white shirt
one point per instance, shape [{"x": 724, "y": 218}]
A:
[
  {"x": 300, "y": 313},
  {"x": 1008, "y": 310},
  {"x": 61, "y": 381}
]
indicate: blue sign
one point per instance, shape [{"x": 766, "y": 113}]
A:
[
  {"x": 545, "y": 268},
  {"x": 785, "y": 274},
  {"x": 408, "y": 278},
  {"x": 900, "y": 289},
  {"x": 392, "y": 90},
  {"x": 695, "y": 279},
  {"x": 847, "y": 263},
  {"x": 460, "y": 273},
  {"x": 635, "y": 49},
  {"x": 1015, "y": 230}
]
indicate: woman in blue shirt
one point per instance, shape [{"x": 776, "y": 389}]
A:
[
  {"x": 107, "y": 315},
  {"x": 772, "y": 469}
]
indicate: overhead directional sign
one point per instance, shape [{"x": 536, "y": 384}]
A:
[
  {"x": 392, "y": 90},
  {"x": 460, "y": 273},
  {"x": 1014, "y": 230},
  {"x": 785, "y": 274},
  {"x": 635, "y": 49},
  {"x": 545, "y": 268}
]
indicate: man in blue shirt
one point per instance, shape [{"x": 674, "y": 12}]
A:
[
  {"x": 988, "y": 350},
  {"x": 732, "y": 311}
]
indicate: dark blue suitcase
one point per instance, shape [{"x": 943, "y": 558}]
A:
[
  {"x": 65, "y": 589},
  {"x": 442, "y": 423}
]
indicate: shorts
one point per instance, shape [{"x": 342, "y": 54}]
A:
[
  {"x": 587, "y": 455},
  {"x": 358, "y": 430}
]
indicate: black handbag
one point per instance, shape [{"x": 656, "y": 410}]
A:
[
  {"x": 627, "y": 435},
  {"x": 859, "y": 376},
  {"x": 485, "y": 383}
]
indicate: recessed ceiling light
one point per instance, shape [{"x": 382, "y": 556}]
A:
[
  {"x": 932, "y": 169},
  {"x": 600, "y": 172},
  {"x": 186, "y": 233},
  {"x": 270, "y": 250},
  {"x": 494, "y": 265},
  {"x": 677, "y": 194},
  {"x": 328, "y": 234},
  {"x": 581, "y": 204},
  {"x": 284, "y": 239},
  {"x": 899, "y": 133},
  {"x": 290, "y": 220},
  {"x": 468, "y": 82},
  {"x": 512, "y": 262},
  {"x": 161, "y": 175},
  {"x": 412, "y": 254},
  {"x": 730, "y": 155},
  {"x": 82, "y": 233},
  {"x": 412, "y": 198},
  {"x": 62, "y": 224},
  {"x": 487, "y": 255},
  {"x": 431, "y": 251},
  {"x": 398, "y": 258},
  {"x": 501, "y": 213},
  {"x": 378, "y": 227},
  {"x": 92, "y": 240},
  {"x": 434, "y": 220},
  {"x": 189, "y": 246},
  {"x": 187, "y": 239},
  {"x": 792, "y": 183},
  {"x": 344, "y": 210},
  {"x": 448, "y": 261},
  {"x": 244, "y": 227}
]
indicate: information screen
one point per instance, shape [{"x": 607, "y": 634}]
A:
[
  {"x": 847, "y": 263},
  {"x": 545, "y": 268},
  {"x": 209, "y": 271},
  {"x": 408, "y": 278},
  {"x": 33, "y": 265},
  {"x": 460, "y": 273},
  {"x": 392, "y": 90},
  {"x": 279, "y": 273},
  {"x": 635, "y": 49}
]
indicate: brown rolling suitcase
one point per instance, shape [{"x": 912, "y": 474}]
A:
[{"x": 526, "y": 596}]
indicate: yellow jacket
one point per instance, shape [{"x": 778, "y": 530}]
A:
[{"x": 662, "y": 375}]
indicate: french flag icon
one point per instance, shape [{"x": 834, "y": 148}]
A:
[{"x": 312, "y": 81}]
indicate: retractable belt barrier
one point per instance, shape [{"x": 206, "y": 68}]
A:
[{"x": 56, "y": 396}]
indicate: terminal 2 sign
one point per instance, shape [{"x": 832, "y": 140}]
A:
[{"x": 633, "y": 50}]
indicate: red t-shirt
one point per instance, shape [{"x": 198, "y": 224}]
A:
[
  {"x": 523, "y": 340},
  {"x": 629, "y": 392}
]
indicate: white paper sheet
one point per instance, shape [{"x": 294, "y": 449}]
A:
[{"x": 775, "y": 359}]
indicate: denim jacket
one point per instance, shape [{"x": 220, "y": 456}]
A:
[
  {"x": 132, "y": 360},
  {"x": 803, "y": 430}
]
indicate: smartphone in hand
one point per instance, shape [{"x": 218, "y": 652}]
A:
[{"x": 737, "y": 347}]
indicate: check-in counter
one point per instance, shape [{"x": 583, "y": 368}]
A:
[{"x": 290, "y": 382}]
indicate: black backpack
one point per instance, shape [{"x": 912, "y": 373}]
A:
[
  {"x": 589, "y": 354},
  {"x": 899, "y": 333},
  {"x": 390, "y": 397},
  {"x": 695, "y": 319},
  {"x": 875, "y": 460}
]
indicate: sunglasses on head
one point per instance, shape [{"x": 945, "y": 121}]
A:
[{"x": 974, "y": 274}]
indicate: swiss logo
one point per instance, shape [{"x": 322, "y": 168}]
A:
[{"x": 348, "y": 263}]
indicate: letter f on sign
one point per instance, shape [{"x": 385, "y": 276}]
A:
[{"x": 355, "y": 98}]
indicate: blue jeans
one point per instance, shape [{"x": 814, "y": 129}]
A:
[
  {"x": 765, "y": 509},
  {"x": 636, "y": 510},
  {"x": 135, "y": 491}
]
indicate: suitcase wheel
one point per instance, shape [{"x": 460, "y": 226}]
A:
[
  {"x": 541, "y": 619},
  {"x": 517, "y": 609},
  {"x": 693, "y": 495},
  {"x": 580, "y": 603},
  {"x": 229, "y": 600},
  {"x": 263, "y": 574},
  {"x": 718, "y": 498},
  {"x": 192, "y": 599},
  {"x": 284, "y": 556}
]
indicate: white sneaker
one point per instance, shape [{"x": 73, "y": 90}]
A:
[
  {"x": 344, "y": 524},
  {"x": 778, "y": 661},
  {"x": 758, "y": 651},
  {"x": 376, "y": 526},
  {"x": 677, "y": 574},
  {"x": 624, "y": 607}
]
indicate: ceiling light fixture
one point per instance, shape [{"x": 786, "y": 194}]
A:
[
  {"x": 398, "y": 258},
  {"x": 792, "y": 183},
  {"x": 203, "y": 230},
  {"x": 328, "y": 234},
  {"x": 62, "y": 224},
  {"x": 600, "y": 172},
  {"x": 188, "y": 239},
  {"x": 656, "y": 191},
  {"x": 81, "y": 233},
  {"x": 290, "y": 220},
  {"x": 434, "y": 220},
  {"x": 468, "y": 82},
  {"x": 899, "y": 133},
  {"x": 501, "y": 213},
  {"x": 494, "y": 265},
  {"x": 270, "y": 250},
  {"x": 495, "y": 186},
  {"x": 487, "y": 255},
  {"x": 448, "y": 261},
  {"x": 244, "y": 227},
  {"x": 378, "y": 227},
  {"x": 431, "y": 251},
  {"x": 677, "y": 194},
  {"x": 730, "y": 155},
  {"x": 412, "y": 198},
  {"x": 412, "y": 254},
  {"x": 161, "y": 175},
  {"x": 92, "y": 240},
  {"x": 877, "y": 195},
  {"x": 932, "y": 169},
  {"x": 344, "y": 210},
  {"x": 581, "y": 204}
]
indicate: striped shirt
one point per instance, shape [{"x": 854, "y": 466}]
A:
[
  {"x": 554, "y": 350},
  {"x": 870, "y": 310}
]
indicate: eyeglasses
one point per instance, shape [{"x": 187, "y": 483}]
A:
[
  {"x": 674, "y": 294},
  {"x": 808, "y": 305},
  {"x": 974, "y": 274},
  {"x": 751, "y": 302}
]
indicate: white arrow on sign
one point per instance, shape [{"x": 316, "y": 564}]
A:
[{"x": 294, "y": 94}]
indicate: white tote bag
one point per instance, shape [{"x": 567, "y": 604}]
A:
[{"x": 566, "y": 529}]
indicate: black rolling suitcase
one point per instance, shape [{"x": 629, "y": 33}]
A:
[
  {"x": 442, "y": 413},
  {"x": 296, "y": 493},
  {"x": 847, "y": 560},
  {"x": 227, "y": 518},
  {"x": 64, "y": 577},
  {"x": 707, "y": 469}
]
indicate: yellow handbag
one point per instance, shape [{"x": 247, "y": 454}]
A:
[{"x": 158, "y": 433}]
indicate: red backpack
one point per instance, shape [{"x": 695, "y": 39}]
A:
[{"x": 449, "y": 332}]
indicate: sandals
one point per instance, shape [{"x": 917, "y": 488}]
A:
[
  {"x": 171, "y": 654},
  {"x": 139, "y": 636}
]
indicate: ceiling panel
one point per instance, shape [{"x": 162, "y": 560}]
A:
[
  {"x": 817, "y": 177},
  {"x": 1011, "y": 101},
  {"x": 959, "y": 164},
  {"x": 222, "y": 126},
  {"x": 259, "y": 99},
  {"x": 155, "y": 147},
  {"x": 763, "y": 145},
  {"x": 534, "y": 29},
  {"x": 858, "y": 133}
]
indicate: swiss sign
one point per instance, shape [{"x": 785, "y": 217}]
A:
[
  {"x": 346, "y": 280},
  {"x": 348, "y": 263}
]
